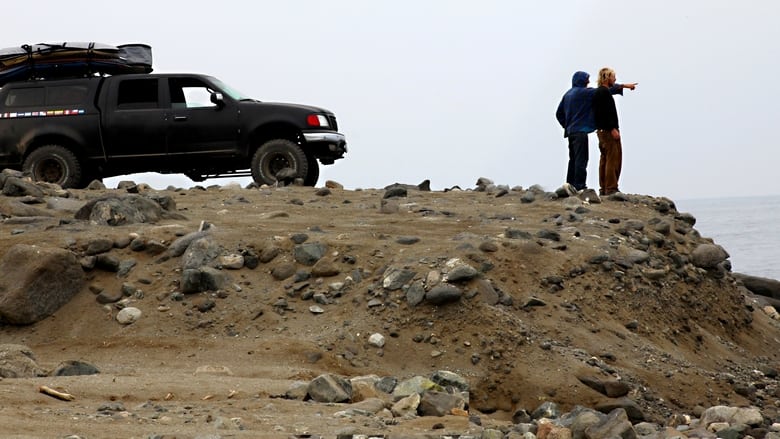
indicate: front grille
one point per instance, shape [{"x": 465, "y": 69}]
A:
[{"x": 332, "y": 122}]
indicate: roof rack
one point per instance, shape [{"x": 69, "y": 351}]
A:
[{"x": 68, "y": 60}]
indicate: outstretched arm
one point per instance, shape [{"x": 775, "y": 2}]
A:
[{"x": 617, "y": 89}]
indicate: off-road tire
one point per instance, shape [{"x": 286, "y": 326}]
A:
[
  {"x": 275, "y": 155},
  {"x": 54, "y": 164},
  {"x": 314, "y": 171}
]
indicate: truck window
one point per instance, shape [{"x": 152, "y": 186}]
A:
[
  {"x": 25, "y": 97},
  {"x": 137, "y": 94},
  {"x": 190, "y": 93},
  {"x": 66, "y": 94}
]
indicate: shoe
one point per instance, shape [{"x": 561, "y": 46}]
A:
[{"x": 570, "y": 189}]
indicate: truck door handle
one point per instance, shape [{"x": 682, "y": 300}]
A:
[{"x": 179, "y": 118}]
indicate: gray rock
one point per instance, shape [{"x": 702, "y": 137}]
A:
[
  {"x": 760, "y": 285},
  {"x": 407, "y": 240},
  {"x": 128, "y": 315},
  {"x": 283, "y": 271},
  {"x": 179, "y": 246},
  {"x": 73, "y": 368},
  {"x": 269, "y": 253},
  {"x": 486, "y": 292},
  {"x": 213, "y": 279},
  {"x": 395, "y": 192},
  {"x": 96, "y": 185},
  {"x": 686, "y": 218},
  {"x": 552, "y": 235},
  {"x": 433, "y": 403},
  {"x": 297, "y": 391},
  {"x": 446, "y": 379},
  {"x": 299, "y": 238},
  {"x": 125, "y": 266},
  {"x": 517, "y": 234},
  {"x": 461, "y": 272},
  {"x": 637, "y": 256},
  {"x": 36, "y": 282},
  {"x": 415, "y": 385},
  {"x": 528, "y": 197},
  {"x": 415, "y": 294},
  {"x": 547, "y": 409},
  {"x": 309, "y": 253},
  {"x": 18, "y": 361},
  {"x": 732, "y": 415},
  {"x": 115, "y": 211},
  {"x": 231, "y": 262},
  {"x": 325, "y": 268},
  {"x": 107, "y": 262},
  {"x": 370, "y": 405},
  {"x": 632, "y": 409},
  {"x": 615, "y": 424},
  {"x": 443, "y": 293},
  {"x": 200, "y": 252},
  {"x": 18, "y": 187},
  {"x": 708, "y": 255},
  {"x": 386, "y": 384},
  {"x": 330, "y": 388},
  {"x": 13, "y": 208},
  {"x": 580, "y": 419},
  {"x": 109, "y": 296},
  {"x": 395, "y": 278},
  {"x": 406, "y": 406}
]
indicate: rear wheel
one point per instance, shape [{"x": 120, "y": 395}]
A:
[
  {"x": 54, "y": 164},
  {"x": 314, "y": 171},
  {"x": 277, "y": 155}
]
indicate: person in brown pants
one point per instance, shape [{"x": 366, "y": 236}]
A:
[{"x": 608, "y": 131}]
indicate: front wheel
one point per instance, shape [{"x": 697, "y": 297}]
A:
[
  {"x": 275, "y": 156},
  {"x": 54, "y": 164},
  {"x": 314, "y": 172}
]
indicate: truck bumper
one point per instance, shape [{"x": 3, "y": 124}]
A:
[{"x": 329, "y": 146}]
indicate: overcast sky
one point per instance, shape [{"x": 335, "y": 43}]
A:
[{"x": 454, "y": 90}]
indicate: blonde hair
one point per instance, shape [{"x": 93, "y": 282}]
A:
[{"x": 604, "y": 75}]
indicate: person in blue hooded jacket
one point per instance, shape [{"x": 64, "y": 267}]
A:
[{"x": 575, "y": 114}]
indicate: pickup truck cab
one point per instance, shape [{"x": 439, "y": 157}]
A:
[{"x": 71, "y": 131}]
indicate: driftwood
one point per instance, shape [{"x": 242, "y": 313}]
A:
[{"x": 56, "y": 394}]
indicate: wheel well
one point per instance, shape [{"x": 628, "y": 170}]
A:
[
  {"x": 54, "y": 140},
  {"x": 273, "y": 131}
]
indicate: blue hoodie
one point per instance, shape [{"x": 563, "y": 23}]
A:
[{"x": 575, "y": 112}]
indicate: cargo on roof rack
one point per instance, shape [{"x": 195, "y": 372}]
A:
[{"x": 67, "y": 60}]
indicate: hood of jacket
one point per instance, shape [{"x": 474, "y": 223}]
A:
[{"x": 580, "y": 79}]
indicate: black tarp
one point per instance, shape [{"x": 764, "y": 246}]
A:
[{"x": 63, "y": 60}]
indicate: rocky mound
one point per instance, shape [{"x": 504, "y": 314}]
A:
[{"x": 530, "y": 297}]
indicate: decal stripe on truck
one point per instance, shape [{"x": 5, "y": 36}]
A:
[{"x": 43, "y": 113}]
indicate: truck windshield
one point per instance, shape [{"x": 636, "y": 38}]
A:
[{"x": 230, "y": 91}]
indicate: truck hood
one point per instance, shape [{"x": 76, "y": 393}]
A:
[{"x": 302, "y": 108}]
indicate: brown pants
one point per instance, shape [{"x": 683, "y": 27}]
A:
[{"x": 610, "y": 162}]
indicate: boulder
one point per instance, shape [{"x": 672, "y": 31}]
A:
[
  {"x": 18, "y": 361},
  {"x": 36, "y": 282}
]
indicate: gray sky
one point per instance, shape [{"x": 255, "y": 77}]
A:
[{"x": 455, "y": 90}]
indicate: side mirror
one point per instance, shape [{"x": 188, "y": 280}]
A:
[{"x": 217, "y": 99}]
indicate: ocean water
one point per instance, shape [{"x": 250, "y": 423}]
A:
[{"x": 747, "y": 227}]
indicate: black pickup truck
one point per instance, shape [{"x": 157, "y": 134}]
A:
[{"x": 71, "y": 131}]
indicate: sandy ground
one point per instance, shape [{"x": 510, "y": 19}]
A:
[{"x": 679, "y": 342}]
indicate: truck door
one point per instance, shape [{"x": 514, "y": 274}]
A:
[
  {"x": 199, "y": 126},
  {"x": 136, "y": 129}
]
